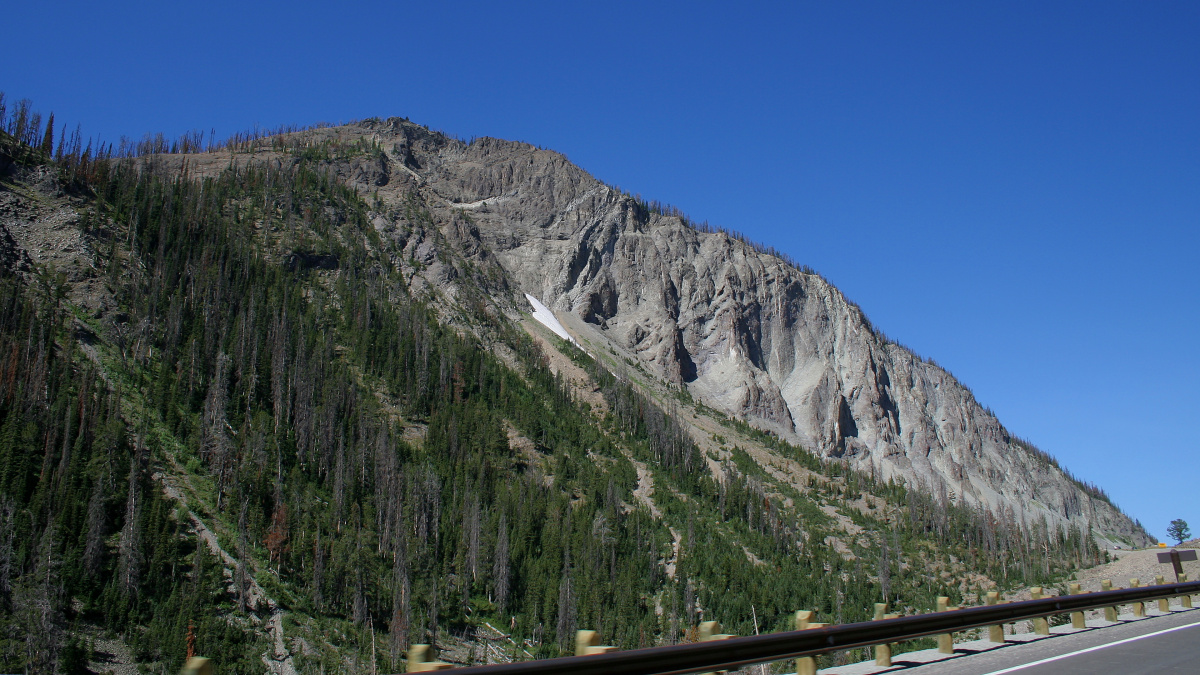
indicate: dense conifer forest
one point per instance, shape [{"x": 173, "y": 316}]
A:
[{"x": 267, "y": 378}]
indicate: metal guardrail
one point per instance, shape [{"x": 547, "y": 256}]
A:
[{"x": 742, "y": 651}]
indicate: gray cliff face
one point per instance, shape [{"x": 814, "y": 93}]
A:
[{"x": 744, "y": 331}]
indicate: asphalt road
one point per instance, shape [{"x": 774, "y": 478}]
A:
[{"x": 1165, "y": 644}]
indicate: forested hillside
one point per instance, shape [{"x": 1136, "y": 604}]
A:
[{"x": 229, "y": 408}]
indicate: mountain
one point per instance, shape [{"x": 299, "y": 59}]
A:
[
  {"x": 741, "y": 329},
  {"x": 284, "y": 399}
]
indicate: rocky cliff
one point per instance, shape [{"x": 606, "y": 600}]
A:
[{"x": 744, "y": 331}]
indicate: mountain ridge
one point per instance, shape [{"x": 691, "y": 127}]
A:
[
  {"x": 700, "y": 308},
  {"x": 534, "y": 222}
]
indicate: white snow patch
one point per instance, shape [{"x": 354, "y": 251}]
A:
[
  {"x": 476, "y": 204},
  {"x": 546, "y": 317}
]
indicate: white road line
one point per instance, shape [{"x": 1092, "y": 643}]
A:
[{"x": 1091, "y": 649}]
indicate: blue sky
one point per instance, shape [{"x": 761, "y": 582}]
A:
[{"x": 1012, "y": 190}]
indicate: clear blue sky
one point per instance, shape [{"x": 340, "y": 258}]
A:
[{"x": 1011, "y": 190}]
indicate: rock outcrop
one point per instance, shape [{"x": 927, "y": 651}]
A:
[{"x": 744, "y": 330}]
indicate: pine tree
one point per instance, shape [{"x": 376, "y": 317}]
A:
[
  {"x": 47, "y": 146},
  {"x": 1179, "y": 530}
]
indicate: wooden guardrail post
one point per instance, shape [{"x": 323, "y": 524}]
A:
[
  {"x": 995, "y": 633},
  {"x": 1040, "y": 625},
  {"x": 883, "y": 652},
  {"x": 1077, "y": 620},
  {"x": 588, "y": 642},
  {"x": 197, "y": 665},
  {"x": 806, "y": 665},
  {"x": 1185, "y": 600},
  {"x": 709, "y": 631},
  {"x": 1110, "y": 613},
  {"x": 417, "y": 663},
  {"x": 945, "y": 641},
  {"x": 1139, "y": 608},
  {"x": 1164, "y": 604}
]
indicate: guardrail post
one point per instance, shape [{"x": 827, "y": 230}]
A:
[
  {"x": 1077, "y": 620},
  {"x": 1185, "y": 600},
  {"x": 1040, "y": 625},
  {"x": 417, "y": 655},
  {"x": 945, "y": 640},
  {"x": 197, "y": 665},
  {"x": 588, "y": 642},
  {"x": 1139, "y": 608},
  {"x": 883, "y": 653},
  {"x": 806, "y": 665},
  {"x": 1110, "y": 613},
  {"x": 709, "y": 631},
  {"x": 1164, "y": 604},
  {"x": 995, "y": 633}
]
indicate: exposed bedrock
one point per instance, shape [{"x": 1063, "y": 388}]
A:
[{"x": 745, "y": 331}]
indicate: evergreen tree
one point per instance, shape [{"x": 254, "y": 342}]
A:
[
  {"x": 47, "y": 144},
  {"x": 1179, "y": 530}
]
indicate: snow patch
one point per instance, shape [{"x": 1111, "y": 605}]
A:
[
  {"x": 546, "y": 317},
  {"x": 477, "y": 203}
]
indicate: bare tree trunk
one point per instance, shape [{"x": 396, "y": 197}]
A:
[
  {"x": 40, "y": 601},
  {"x": 93, "y": 549},
  {"x": 500, "y": 571},
  {"x": 7, "y": 532},
  {"x": 214, "y": 437},
  {"x": 318, "y": 571},
  {"x": 433, "y": 612},
  {"x": 885, "y": 570},
  {"x": 473, "y": 530},
  {"x": 129, "y": 561},
  {"x": 566, "y": 604},
  {"x": 401, "y": 616}
]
